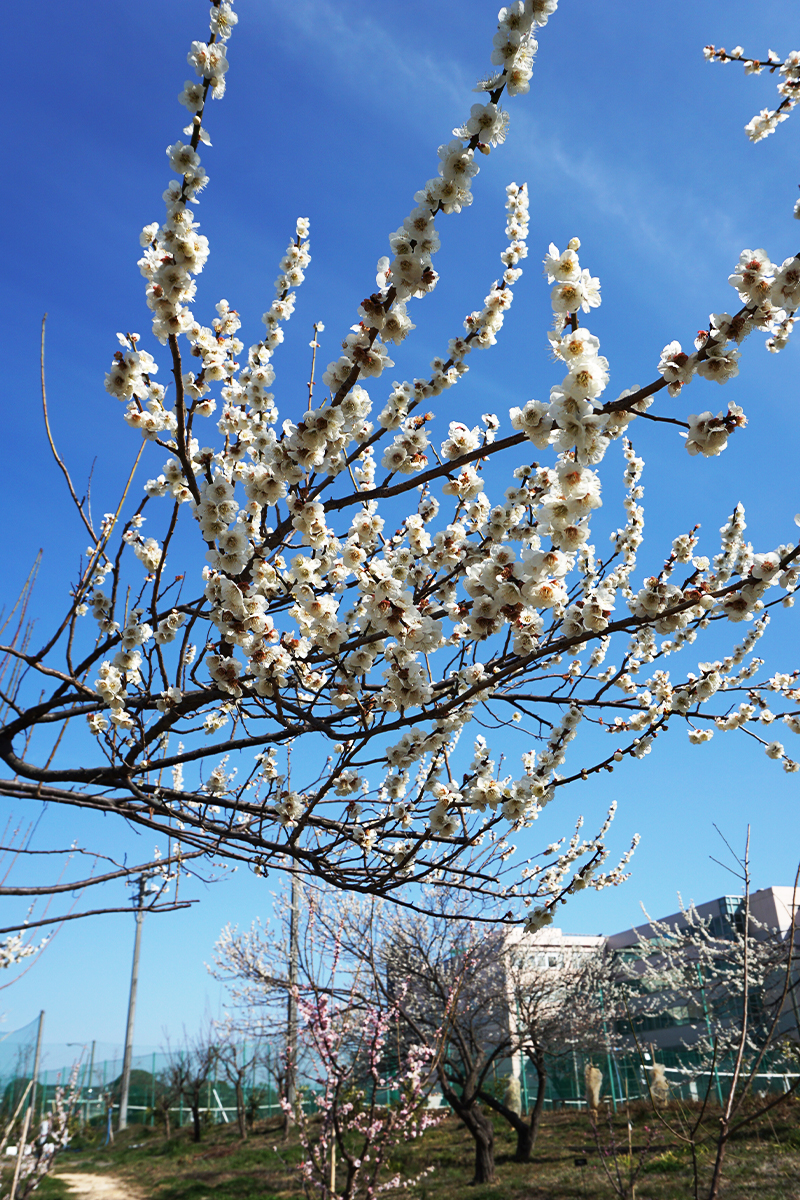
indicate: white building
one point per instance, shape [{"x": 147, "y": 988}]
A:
[{"x": 682, "y": 1018}]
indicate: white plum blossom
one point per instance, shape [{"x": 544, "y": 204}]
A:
[{"x": 348, "y": 579}]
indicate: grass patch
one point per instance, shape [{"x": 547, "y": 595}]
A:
[
  {"x": 566, "y": 1164},
  {"x": 52, "y": 1188}
]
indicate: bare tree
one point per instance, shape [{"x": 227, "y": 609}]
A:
[
  {"x": 167, "y": 1093},
  {"x": 473, "y": 994},
  {"x": 233, "y": 1057},
  {"x": 189, "y": 1071}
]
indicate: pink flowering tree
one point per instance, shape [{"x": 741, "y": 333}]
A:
[
  {"x": 368, "y": 1098},
  {"x": 386, "y": 1009},
  {"x": 368, "y": 576}
]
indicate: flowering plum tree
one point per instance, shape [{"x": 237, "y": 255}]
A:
[
  {"x": 456, "y": 985},
  {"x": 363, "y": 967},
  {"x": 739, "y": 984},
  {"x": 368, "y": 1081},
  {"x": 53, "y": 1136},
  {"x": 369, "y": 577},
  {"x": 365, "y": 1107},
  {"x": 558, "y": 1003}
]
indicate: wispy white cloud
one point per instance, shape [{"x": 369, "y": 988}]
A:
[
  {"x": 654, "y": 211},
  {"x": 390, "y": 73},
  {"x": 369, "y": 55}
]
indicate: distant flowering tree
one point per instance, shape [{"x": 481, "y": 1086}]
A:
[
  {"x": 712, "y": 978},
  {"x": 370, "y": 577},
  {"x": 365, "y": 1083},
  {"x": 266, "y": 968},
  {"x": 489, "y": 997},
  {"x": 455, "y": 992},
  {"x": 737, "y": 987},
  {"x": 559, "y": 1003},
  {"x": 378, "y": 969},
  {"x": 368, "y": 1100},
  {"x": 38, "y": 1159}
]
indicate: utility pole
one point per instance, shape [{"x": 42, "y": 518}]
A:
[
  {"x": 291, "y": 1022},
  {"x": 126, "y": 1062},
  {"x": 86, "y": 1109},
  {"x": 36, "y": 1060}
]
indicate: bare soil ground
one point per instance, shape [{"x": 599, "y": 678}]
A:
[{"x": 98, "y": 1187}]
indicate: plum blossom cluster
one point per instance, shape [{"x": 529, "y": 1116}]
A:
[
  {"x": 767, "y": 120},
  {"x": 770, "y": 296},
  {"x": 788, "y": 71},
  {"x": 408, "y": 272},
  {"x": 13, "y": 949},
  {"x": 174, "y": 251},
  {"x": 53, "y": 1135},
  {"x": 559, "y": 878},
  {"x": 374, "y": 575},
  {"x": 515, "y": 561}
]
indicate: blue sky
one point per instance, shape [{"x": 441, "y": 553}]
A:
[{"x": 334, "y": 111}]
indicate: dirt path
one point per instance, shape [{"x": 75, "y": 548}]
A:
[{"x": 98, "y": 1187}]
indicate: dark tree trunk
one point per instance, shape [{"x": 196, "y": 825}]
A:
[
  {"x": 538, "y": 1107},
  {"x": 722, "y": 1146},
  {"x": 350, "y": 1182},
  {"x": 241, "y": 1115},
  {"x": 525, "y": 1139},
  {"x": 483, "y": 1132},
  {"x": 167, "y": 1129},
  {"x": 517, "y": 1123},
  {"x": 526, "y": 1130},
  {"x": 198, "y": 1129},
  {"x": 468, "y": 1111}
]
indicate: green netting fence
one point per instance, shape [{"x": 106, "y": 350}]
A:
[
  {"x": 625, "y": 1076},
  {"x": 99, "y": 1080},
  {"x": 17, "y": 1052}
]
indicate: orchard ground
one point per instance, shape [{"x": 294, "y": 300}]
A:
[{"x": 763, "y": 1161}]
